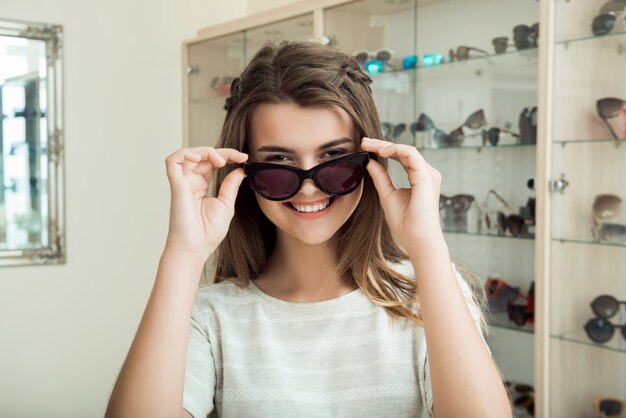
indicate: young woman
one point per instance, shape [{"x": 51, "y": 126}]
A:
[{"x": 329, "y": 283}]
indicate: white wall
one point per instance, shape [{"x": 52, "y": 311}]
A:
[{"x": 65, "y": 330}]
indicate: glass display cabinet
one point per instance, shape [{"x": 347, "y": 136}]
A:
[
  {"x": 501, "y": 96},
  {"x": 586, "y": 229}
]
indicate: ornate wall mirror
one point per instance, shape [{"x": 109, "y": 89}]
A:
[{"x": 31, "y": 144}]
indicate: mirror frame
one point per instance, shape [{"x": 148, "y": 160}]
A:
[{"x": 52, "y": 35}]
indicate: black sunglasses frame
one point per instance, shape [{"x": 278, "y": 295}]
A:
[{"x": 361, "y": 158}]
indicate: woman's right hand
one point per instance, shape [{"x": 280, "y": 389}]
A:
[{"x": 198, "y": 223}]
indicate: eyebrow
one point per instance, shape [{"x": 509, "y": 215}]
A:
[{"x": 333, "y": 143}]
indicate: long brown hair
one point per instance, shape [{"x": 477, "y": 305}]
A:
[{"x": 312, "y": 75}]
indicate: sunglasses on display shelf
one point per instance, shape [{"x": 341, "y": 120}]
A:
[
  {"x": 601, "y": 330},
  {"x": 374, "y": 62},
  {"x": 608, "y": 108},
  {"x": 606, "y": 207},
  {"x": 392, "y": 131},
  {"x": 518, "y": 313},
  {"x": 522, "y": 395},
  {"x": 494, "y": 286},
  {"x": 492, "y": 135},
  {"x": 410, "y": 61},
  {"x": 459, "y": 203},
  {"x": 337, "y": 177},
  {"x": 609, "y": 407},
  {"x": 525, "y": 36},
  {"x": 463, "y": 53},
  {"x": 428, "y": 60},
  {"x": 498, "y": 221},
  {"x": 501, "y": 44},
  {"x": 455, "y": 138},
  {"x": 606, "y": 19},
  {"x": 606, "y": 306}
]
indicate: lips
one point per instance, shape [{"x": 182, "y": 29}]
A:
[{"x": 332, "y": 201}]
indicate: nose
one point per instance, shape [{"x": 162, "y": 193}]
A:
[{"x": 309, "y": 188}]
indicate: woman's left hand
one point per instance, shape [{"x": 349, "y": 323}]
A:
[{"x": 412, "y": 214}]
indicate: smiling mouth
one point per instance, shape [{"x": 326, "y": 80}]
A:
[{"x": 330, "y": 203}]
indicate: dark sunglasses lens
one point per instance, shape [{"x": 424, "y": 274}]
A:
[
  {"x": 493, "y": 135},
  {"x": 462, "y": 203},
  {"x": 342, "y": 177},
  {"x": 456, "y": 137},
  {"x": 515, "y": 224},
  {"x": 500, "y": 44},
  {"x": 605, "y": 306},
  {"x": 517, "y": 314},
  {"x": 439, "y": 138},
  {"x": 462, "y": 52},
  {"x": 276, "y": 183},
  {"x": 523, "y": 37},
  {"x": 599, "y": 330},
  {"x": 523, "y": 388},
  {"x": 476, "y": 120},
  {"x": 424, "y": 123},
  {"x": 603, "y": 24},
  {"x": 611, "y": 408},
  {"x": 609, "y": 107}
]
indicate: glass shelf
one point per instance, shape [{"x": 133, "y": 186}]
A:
[
  {"x": 478, "y": 234},
  {"x": 501, "y": 320},
  {"x": 588, "y": 242},
  {"x": 591, "y": 37},
  {"x": 617, "y": 343},
  {"x": 589, "y": 141},
  {"x": 477, "y": 147},
  {"x": 528, "y": 52}
]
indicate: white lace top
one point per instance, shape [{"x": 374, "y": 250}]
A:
[{"x": 252, "y": 355}]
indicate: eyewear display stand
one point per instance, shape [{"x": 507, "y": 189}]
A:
[{"x": 510, "y": 89}]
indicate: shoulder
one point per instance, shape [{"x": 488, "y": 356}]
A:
[{"x": 223, "y": 293}]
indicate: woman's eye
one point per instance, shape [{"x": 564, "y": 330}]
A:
[
  {"x": 275, "y": 157},
  {"x": 337, "y": 151}
]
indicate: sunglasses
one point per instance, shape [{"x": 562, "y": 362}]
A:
[
  {"x": 455, "y": 138},
  {"x": 607, "y": 18},
  {"x": 463, "y": 53},
  {"x": 280, "y": 182},
  {"x": 500, "y": 44},
  {"x": 492, "y": 135},
  {"x": 609, "y": 407},
  {"x": 518, "y": 313},
  {"x": 526, "y": 36},
  {"x": 606, "y": 306},
  {"x": 608, "y": 108},
  {"x": 374, "y": 61},
  {"x": 459, "y": 203},
  {"x": 601, "y": 330},
  {"x": 391, "y": 131},
  {"x": 494, "y": 286},
  {"x": 605, "y": 207}
]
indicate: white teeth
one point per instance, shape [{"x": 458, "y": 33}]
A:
[{"x": 311, "y": 208}]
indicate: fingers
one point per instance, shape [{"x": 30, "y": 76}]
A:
[
  {"x": 230, "y": 187},
  {"x": 381, "y": 179},
  {"x": 202, "y": 160},
  {"x": 413, "y": 162}
]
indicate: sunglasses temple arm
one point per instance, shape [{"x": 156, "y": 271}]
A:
[
  {"x": 501, "y": 199},
  {"x": 608, "y": 125}
]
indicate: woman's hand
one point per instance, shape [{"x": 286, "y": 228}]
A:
[
  {"x": 199, "y": 223},
  {"x": 412, "y": 214}
]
